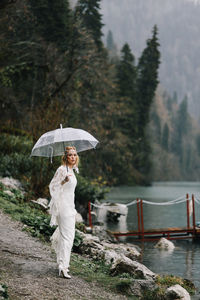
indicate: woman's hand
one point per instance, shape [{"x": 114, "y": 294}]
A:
[{"x": 66, "y": 179}]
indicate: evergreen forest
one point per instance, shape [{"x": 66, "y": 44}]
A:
[{"x": 55, "y": 69}]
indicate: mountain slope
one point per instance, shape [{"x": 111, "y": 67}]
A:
[{"x": 178, "y": 23}]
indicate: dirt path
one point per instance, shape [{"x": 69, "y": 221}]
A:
[{"x": 28, "y": 268}]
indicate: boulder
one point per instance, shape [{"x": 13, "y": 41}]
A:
[
  {"x": 42, "y": 202},
  {"x": 126, "y": 265},
  {"x": 128, "y": 250},
  {"x": 116, "y": 255},
  {"x": 165, "y": 244},
  {"x": 103, "y": 234},
  {"x": 103, "y": 250},
  {"x": 139, "y": 286},
  {"x": 176, "y": 292},
  {"x": 8, "y": 192},
  {"x": 11, "y": 183}
]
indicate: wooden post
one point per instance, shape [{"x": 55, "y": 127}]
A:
[
  {"x": 142, "y": 221},
  {"x": 89, "y": 214},
  {"x": 188, "y": 213},
  {"x": 138, "y": 215},
  {"x": 193, "y": 213}
]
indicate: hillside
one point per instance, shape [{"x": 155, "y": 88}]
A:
[
  {"x": 174, "y": 140},
  {"x": 178, "y": 23}
]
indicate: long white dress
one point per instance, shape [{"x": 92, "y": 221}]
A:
[{"x": 63, "y": 212}]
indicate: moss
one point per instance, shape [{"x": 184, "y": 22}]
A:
[
  {"x": 166, "y": 281},
  {"x": 98, "y": 272}
]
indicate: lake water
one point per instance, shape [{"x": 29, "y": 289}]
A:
[{"x": 184, "y": 261}]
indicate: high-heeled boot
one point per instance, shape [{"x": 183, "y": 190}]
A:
[{"x": 63, "y": 273}]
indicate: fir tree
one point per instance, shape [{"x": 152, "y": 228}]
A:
[
  {"x": 126, "y": 73},
  {"x": 53, "y": 20},
  {"x": 147, "y": 79},
  {"x": 180, "y": 129},
  {"x": 89, "y": 10},
  {"x": 111, "y": 46},
  {"x": 165, "y": 137},
  {"x": 126, "y": 77}
]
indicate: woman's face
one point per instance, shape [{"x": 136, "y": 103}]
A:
[{"x": 71, "y": 157}]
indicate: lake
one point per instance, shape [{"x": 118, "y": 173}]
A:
[{"x": 184, "y": 261}]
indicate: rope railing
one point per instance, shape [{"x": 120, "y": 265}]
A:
[
  {"x": 196, "y": 199},
  {"x": 178, "y": 200}
]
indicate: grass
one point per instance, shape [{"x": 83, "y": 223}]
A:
[
  {"x": 98, "y": 272},
  {"x": 166, "y": 281},
  {"x": 37, "y": 224}
]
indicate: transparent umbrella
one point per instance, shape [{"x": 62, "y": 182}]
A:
[{"x": 53, "y": 143}]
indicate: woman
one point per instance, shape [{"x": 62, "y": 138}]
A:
[{"x": 62, "y": 209}]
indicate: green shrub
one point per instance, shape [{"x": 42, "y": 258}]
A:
[
  {"x": 38, "y": 224},
  {"x": 77, "y": 240},
  {"x": 37, "y": 172},
  {"x": 3, "y": 291}
]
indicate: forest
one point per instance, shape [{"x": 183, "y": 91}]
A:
[
  {"x": 178, "y": 22},
  {"x": 55, "y": 69}
]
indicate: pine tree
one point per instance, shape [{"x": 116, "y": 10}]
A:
[
  {"x": 165, "y": 137},
  {"x": 109, "y": 41},
  {"x": 53, "y": 20},
  {"x": 147, "y": 79},
  {"x": 89, "y": 10},
  {"x": 111, "y": 46},
  {"x": 198, "y": 144},
  {"x": 180, "y": 129},
  {"x": 126, "y": 77},
  {"x": 126, "y": 73}
]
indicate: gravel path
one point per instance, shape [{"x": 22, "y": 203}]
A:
[{"x": 28, "y": 268}]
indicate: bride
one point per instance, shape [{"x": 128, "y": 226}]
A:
[{"x": 62, "y": 209}]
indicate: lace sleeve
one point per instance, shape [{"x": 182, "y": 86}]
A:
[
  {"x": 55, "y": 188},
  {"x": 55, "y": 185}
]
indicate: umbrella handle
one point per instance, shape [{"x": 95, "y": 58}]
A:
[{"x": 51, "y": 149}]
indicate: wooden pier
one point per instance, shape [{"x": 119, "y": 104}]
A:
[
  {"x": 173, "y": 233},
  {"x": 170, "y": 233}
]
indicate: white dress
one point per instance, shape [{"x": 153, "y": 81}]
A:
[{"x": 63, "y": 212}]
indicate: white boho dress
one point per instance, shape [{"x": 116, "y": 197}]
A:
[{"x": 63, "y": 212}]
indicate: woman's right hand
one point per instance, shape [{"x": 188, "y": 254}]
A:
[{"x": 66, "y": 179}]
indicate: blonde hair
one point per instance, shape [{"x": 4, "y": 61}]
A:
[{"x": 64, "y": 157}]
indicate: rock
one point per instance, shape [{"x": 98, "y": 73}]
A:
[
  {"x": 79, "y": 218},
  {"x": 91, "y": 246},
  {"x": 139, "y": 286},
  {"x": 165, "y": 244},
  {"x": 110, "y": 256},
  {"x": 103, "y": 234},
  {"x": 177, "y": 292},
  {"x": 103, "y": 250},
  {"x": 128, "y": 250},
  {"x": 126, "y": 265},
  {"x": 42, "y": 202},
  {"x": 88, "y": 229},
  {"x": 11, "y": 183},
  {"x": 9, "y": 193}
]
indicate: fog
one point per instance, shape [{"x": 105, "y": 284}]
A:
[{"x": 178, "y": 23}]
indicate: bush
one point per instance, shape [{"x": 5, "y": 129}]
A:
[
  {"x": 88, "y": 191},
  {"x": 37, "y": 172}
]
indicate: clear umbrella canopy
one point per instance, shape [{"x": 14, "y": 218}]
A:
[{"x": 53, "y": 143}]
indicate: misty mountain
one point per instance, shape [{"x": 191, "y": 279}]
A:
[{"x": 178, "y": 24}]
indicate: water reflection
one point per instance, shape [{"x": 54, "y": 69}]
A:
[{"x": 184, "y": 261}]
